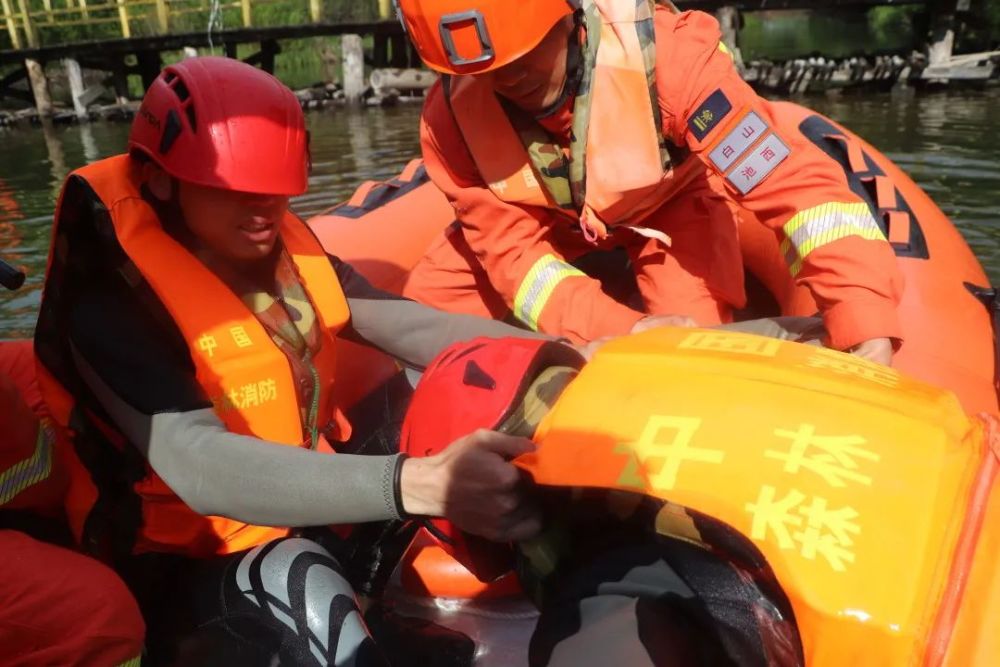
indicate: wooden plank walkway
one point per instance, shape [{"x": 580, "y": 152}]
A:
[
  {"x": 29, "y": 31},
  {"x": 28, "y": 28},
  {"x": 227, "y": 38}
]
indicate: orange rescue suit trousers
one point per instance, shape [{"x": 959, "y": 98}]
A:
[
  {"x": 686, "y": 280},
  {"x": 58, "y": 607}
]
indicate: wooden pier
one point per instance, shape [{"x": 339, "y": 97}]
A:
[
  {"x": 142, "y": 55},
  {"x": 139, "y": 32},
  {"x": 149, "y": 28}
]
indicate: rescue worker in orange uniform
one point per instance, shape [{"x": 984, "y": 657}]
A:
[
  {"x": 188, "y": 336},
  {"x": 560, "y": 127},
  {"x": 57, "y": 607}
]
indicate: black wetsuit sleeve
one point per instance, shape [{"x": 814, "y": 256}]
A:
[
  {"x": 406, "y": 330},
  {"x": 142, "y": 378}
]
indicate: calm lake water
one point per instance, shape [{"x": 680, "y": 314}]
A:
[{"x": 948, "y": 142}]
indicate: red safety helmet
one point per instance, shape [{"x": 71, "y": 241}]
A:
[
  {"x": 222, "y": 123},
  {"x": 475, "y": 36},
  {"x": 472, "y": 385}
]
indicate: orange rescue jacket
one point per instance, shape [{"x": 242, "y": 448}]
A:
[
  {"x": 474, "y": 154},
  {"x": 237, "y": 364}
]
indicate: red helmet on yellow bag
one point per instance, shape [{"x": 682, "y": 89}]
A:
[{"x": 475, "y": 36}]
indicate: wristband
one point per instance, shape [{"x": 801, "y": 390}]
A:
[{"x": 397, "y": 486}]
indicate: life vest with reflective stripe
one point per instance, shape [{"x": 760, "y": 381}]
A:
[
  {"x": 239, "y": 367},
  {"x": 619, "y": 170},
  {"x": 30, "y": 475}
]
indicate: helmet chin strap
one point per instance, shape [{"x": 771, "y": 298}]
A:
[
  {"x": 168, "y": 208},
  {"x": 574, "y": 73}
]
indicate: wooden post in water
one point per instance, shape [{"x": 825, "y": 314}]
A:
[
  {"x": 76, "y": 89},
  {"x": 354, "y": 68},
  {"x": 150, "y": 64},
  {"x": 941, "y": 41},
  {"x": 123, "y": 19},
  {"x": 36, "y": 72},
  {"x": 39, "y": 87},
  {"x": 247, "y": 14},
  {"x": 729, "y": 22},
  {"x": 119, "y": 81},
  {"x": 8, "y": 13},
  {"x": 162, "y": 17},
  {"x": 54, "y": 147}
]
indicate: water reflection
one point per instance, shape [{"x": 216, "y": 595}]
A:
[
  {"x": 90, "y": 150},
  {"x": 19, "y": 309},
  {"x": 359, "y": 127},
  {"x": 57, "y": 158},
  {"x": 947, "y": 142}
]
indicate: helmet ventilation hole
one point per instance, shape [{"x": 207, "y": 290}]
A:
[
  {"x": 171, "y": 130},
  {"x": 181, "y": 91},
  {"x": 184, "y": 97}
]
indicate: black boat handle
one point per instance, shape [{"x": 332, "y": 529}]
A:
[{"x": 10, "y": 277}]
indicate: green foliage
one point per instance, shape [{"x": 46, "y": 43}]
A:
[
  {"x": 301, "y": 61},
  {"x": 992, "y": 13},
  {"x": 902, "y": 26},
  {"x": 845, "y": 32},
  {"x": 186, "y": 16}
]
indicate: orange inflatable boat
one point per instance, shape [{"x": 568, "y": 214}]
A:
[
  {"x": 873, "y": 495},
  {"x": 947, "y": 307}
]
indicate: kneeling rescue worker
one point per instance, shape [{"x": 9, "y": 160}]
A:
[
  {"x": 57, "y": 607},
  {"x": 560, "y": 127},
  {"x": 188, "y": 338}
]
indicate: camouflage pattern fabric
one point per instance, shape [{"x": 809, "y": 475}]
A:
[
  {"x": 290, "y": 319},
  {"x": 536, "y": 402},
  {"x": 550, "y": 160},
  {"x": 676, "y": 587}
]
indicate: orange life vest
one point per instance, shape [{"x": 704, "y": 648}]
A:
[
  {"x": 237, "y": 364},
  {"x": 31, "y": 477},
  {"x": 627, "y": 173}
]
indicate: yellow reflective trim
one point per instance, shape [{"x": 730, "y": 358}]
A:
[
  {"x": 725, "y": 49},
  {"x": 536, "y": 288},
  {"x": 823, "y": 224},
  {"x": 31, "y": 470},
  {"x": 134, "y": 662}
]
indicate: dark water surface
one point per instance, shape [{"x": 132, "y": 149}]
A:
[{"x": 949, "y": 143}]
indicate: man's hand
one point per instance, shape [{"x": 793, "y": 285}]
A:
[
  {"x": 588, "y": 350},
  {"x": 878, "y": 350},
  {"x": 656, "y": 321},
  {"x": 473, "y": 484}
]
